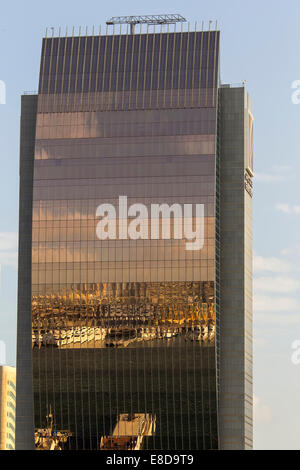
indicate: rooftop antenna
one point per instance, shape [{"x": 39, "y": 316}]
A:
[{"x": 148, "y": 19}]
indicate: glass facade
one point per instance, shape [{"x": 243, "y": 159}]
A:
[{"x": 124, "y": 330}]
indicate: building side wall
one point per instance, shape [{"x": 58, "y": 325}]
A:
[
  {"x": 235, "y": 403},
  {"x": 24, "y": 419},
  {"x": 248, "y": 273}
]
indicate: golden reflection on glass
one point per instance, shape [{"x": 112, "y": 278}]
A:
[
  {"x": 124, "y": 331},
  {"x": 122, "y": 315}
]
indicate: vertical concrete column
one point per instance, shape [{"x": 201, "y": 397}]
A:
[
  {"x": 24, "y": 410},
  {"x": 235, "y": 400}
]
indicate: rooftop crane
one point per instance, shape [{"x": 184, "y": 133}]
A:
[{"x": 147, "y": 19}]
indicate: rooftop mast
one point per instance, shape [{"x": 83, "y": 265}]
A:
[{"x": 148, "y": 19}]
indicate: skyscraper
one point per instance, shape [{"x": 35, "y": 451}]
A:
[{"x": 131, "y": 336}]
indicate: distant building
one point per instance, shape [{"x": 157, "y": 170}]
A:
[{"x": 7, "y": 407}]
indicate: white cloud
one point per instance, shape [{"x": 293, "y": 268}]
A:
[
  {"x": 8, "y": 249},
  {"x": 276, "y": 285},
  {"x": 9, "y": 259},
  {"x": 268, "y": 178},
  {"x": 276, "y": 174},
  {"x": 276, "y": 304},
  {"x": 262, "y": 413},
  {"x": 288, "y": 209},
  {"x": 8, "y": 241},
  {"x": 268, "y": 319},
  {"x": 292, "y": 251},
  {"x": 275, "y": 265},
  {"x": 282, "y": 168}
]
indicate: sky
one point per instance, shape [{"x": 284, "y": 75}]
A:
[{"x": 260, "y": 43}]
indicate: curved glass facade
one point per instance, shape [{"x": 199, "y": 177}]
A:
[{"x": 124, "y": 330}]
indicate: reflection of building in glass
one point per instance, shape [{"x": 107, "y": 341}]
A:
[
  {"x": 136, "y": 328},
  {"x": 49, "y": 438},
  {"x": 7, "y": 407},
  {"x": 129, "y": 432}
]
